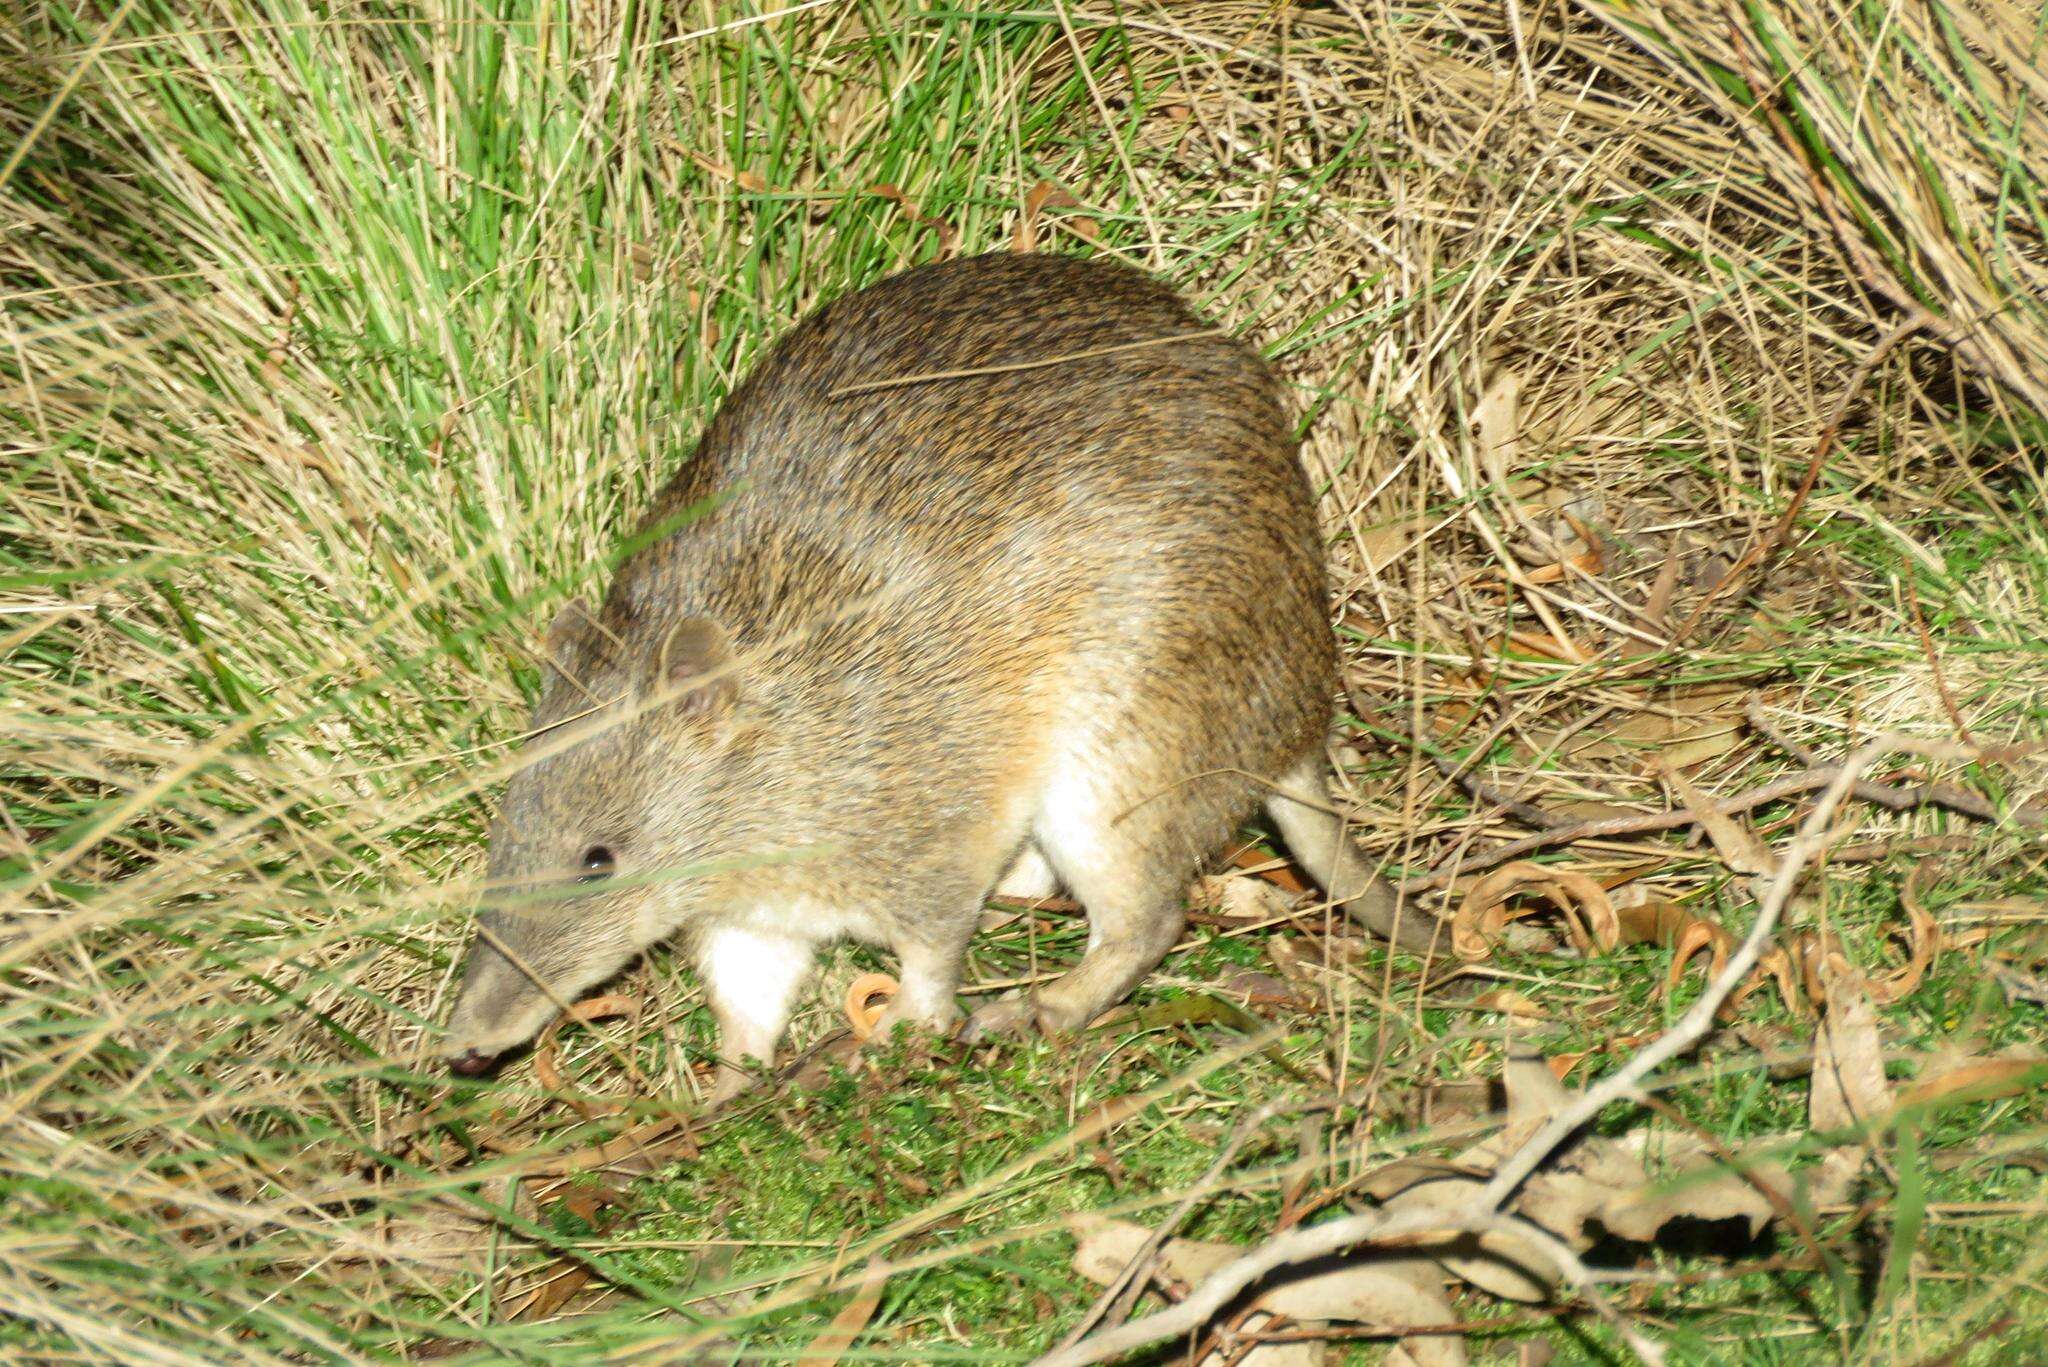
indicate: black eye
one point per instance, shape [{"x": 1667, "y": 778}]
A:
[{"x": 597, "y": 863}]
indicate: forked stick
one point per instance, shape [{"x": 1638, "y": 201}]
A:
[{"x": 1483, "y": 1211}]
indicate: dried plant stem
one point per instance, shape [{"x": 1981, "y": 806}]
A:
[
  {"x": 1116, "y": 1300},
  {"x": 930, "y": 376},
  {"x": 1895, "y": 797},
  {"x": 1761, "y": 551}
]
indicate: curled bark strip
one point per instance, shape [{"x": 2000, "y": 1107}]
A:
[
  {"x": 866, "y": 999},
  {"x": 1922, "y": 937},
  {"x": 547, "y": 1068},
  {"x": 1042, "y": 196},
  {"x": 1588, "y": 914},
  {"x": 1686, "y": 935},
  {"x": 1776, "y": 965}
]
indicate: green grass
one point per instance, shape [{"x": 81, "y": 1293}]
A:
[{"x": 341, "y": 346}]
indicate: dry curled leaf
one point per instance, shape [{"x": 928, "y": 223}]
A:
[
  {"x": 846, "y": 1326},
  {"x": 867, "y": 997},
  {"x": 1686, "y": 936},
  {"x": 1485, "y": 912},
  {"x": 1922, "y": 936},
  {"x": 1979, "y": 1079},
  {"x": 1396, "y": 1291},
  {"x": 1042, "y": 196}
]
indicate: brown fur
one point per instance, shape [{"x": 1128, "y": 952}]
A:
[{"x": 915, "y": 631}]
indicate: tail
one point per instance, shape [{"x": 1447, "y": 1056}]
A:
[{"x": 1315, "y": 837}]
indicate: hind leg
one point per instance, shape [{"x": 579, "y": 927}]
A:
[
  {"x": 1127, "y": 860},
  {"x": 1134, "y": 917}
]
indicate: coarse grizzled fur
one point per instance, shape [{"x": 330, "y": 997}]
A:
[{"x": 888, "y": 642}]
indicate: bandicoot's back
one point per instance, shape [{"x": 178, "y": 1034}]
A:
[{"x": 1063, "y": 615}]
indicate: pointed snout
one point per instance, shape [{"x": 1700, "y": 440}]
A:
[
  {"x": 499, "y": 1008},
  {"x": 471, "y": 1063}
]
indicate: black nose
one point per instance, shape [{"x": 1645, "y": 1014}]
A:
[{"x": 475, "y": 1063}]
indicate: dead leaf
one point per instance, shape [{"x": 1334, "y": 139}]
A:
[
  {"x": 895, "y": 195},
  {"x": 1381, "y": 546},
  {"x": 1737, "y": 845},
  {"x": 1849, "y": 1087},
  {"x": 547, "y": 1068},
  {"x": 1510, "y": 1002},
  {"x": 1686, "y": 935},
  {"x": 592, "y": 1204},
  {"x": 1494, "y": 1261},
  {"x": 1261, "y": 988},
  {"x": 846, "y": 1326},
  {"x": 1390, "y": 1291},
  {"x": 867, "y": 997},
  {"x": 1589, "y": 915},
  {"x": 1849, "y": 1090},
  {"x": 1497, "y": 420},
  {"x": 1395, "y": 1291},
  {"x": 1550, "y": 646},
  {"x": 1278, "y": 872},
  {"x": 1532, "y": 1086},
  {"x": 1922, "y": 936},
  {"x": 1594, "y": 1185},
  {"x": 433, "y": 1238},
  {"x": 1981, "y": 1079},
  {"x": 1306, "y": 973},
  {"x": 1040, "y": 197},
  {"x": 1699, "y": 1188},
  {"x": 1586, "y": 562},
  {"x": 746, "y": 180},
  {"x": 1657, "y": 606},
  {"x": 1245, "y": 896},
  {"x": 1696, "y": 725}
]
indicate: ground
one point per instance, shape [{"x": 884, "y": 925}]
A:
[{"x": 1675, "y": 416}]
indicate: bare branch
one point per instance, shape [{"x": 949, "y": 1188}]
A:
[{"x": 1484, "y": 1211}]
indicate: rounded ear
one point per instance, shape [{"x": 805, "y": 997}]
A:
[
  {"x": 570, "y": 633},
  {"x": 695, "y": 664}
]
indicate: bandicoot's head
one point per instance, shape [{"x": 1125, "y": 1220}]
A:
[{"x": 633, "y": 776}]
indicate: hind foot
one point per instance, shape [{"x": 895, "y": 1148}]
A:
[
  {"x": 1011, "y": 1015},
  {"x": 1015, "y": 1014}
]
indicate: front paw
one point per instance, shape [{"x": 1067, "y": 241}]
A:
[
  {"x": 729, "y": 1082},
  {"x": 905, "y": 1017}
]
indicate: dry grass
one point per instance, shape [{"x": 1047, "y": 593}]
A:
[{"x": 337, "y": 349}]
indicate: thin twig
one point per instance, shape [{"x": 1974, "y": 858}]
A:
[
  {"x": 1762, "y": 550},
  {"x": 1895, "y": 797},
  {"x": 1948, "y": 699},
  {"x": 1117, "y": 1298},
  {"x": 899, "y": 381}
]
